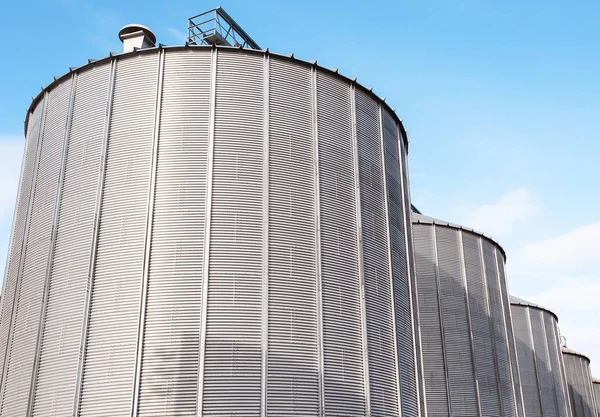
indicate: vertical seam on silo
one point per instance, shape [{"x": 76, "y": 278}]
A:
[
  {"x": 407, "y": 222},
  {"x": 535, "y": 365},
  {"x": 52, "y": 246},
  {"x": 148, "y": 239},
  {"x": 551, "y": 371},
  {"x": 265, "y": 236},
  {"x": 361, "y": 266},
  {"x": 317, "y": 211},
  {"x": 463, "y": 270},
  {"x": 512, "y": 377},
  {"x": 95, "y": 234},
  {"x": 441, "y": 317},
  {"x": 23, "y": 250},
  {"x": 207, "y": 224},
  {"x": 389, "y": 255},
  {"x": 491, "y": 325}
]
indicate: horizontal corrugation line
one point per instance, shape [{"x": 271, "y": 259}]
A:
[
  {"x": 402, "y": 302},
  {"x": 429, "y": 314},
  {"x": 497, "y": 316},
  {"x": 527, "y": 371},
  {"x": 61, "y": 340},
  {"x": 553, "y": 343},
  {"x": 504, "y": 292},
  {"x": 30, "y": 292},
  {"x": 232, "y": 375},
  {"x": 378, "y": 296},
  {"x": 18, "y": 232},
  {"x": 342, "y": 324},
  {"x": 453, "y": 301},
  {"x": 292, "y": 372},
  {"x": 482, "y": 337},
  {"x": 543, "y": 364},
  {"x": 169, "y": 374},
  {"x": 115, "y": 301}
]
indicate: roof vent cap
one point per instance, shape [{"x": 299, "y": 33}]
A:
[{"x": 136, "y": 36}]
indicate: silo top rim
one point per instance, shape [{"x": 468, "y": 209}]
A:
[
  {"x": 521, "y": 302},
  {"x": 574, "y": 352},
  {"x": 596, "y": 380},
  {"x": 134, "y": 27},
  {"x": 418, "y": 218}
]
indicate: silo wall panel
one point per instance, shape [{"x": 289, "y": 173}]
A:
[
  {"x": 68, "y": 282},
  {"x": 344, "y": 360},
  {"x": 170, "y": 361},
  {"x": 580, "y": 385},
  {"x": 111, "y": 345},
  {"x": 30, "y": 292},
  {"x": 232, "y": 373},
  {"x": 556, "y": 364},
  {"x": 457, "y": 342},
  {"x": 436, "y": 390},
  {"x": 543, "y": 364},
  {"x": 486, "y": 371},
  {"x": 13, "y": 262},
  {"x": 293, "y": 358},
  {"x": 596, "y": 389},
  {"x": 383, "y": 365}
]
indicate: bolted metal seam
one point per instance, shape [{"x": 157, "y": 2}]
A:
[
  {"x": 265, "y": 238},
  {"x": 361, "y": 266},
  {"x": 535, "y": 365},
  {"x": 52, "y": 247},
  {"x": 96, "y": 230},
  {"x": 148, "y": 239}
]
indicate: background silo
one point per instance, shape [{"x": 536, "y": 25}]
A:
[
  {"x": 596, "y": 389},
  {"x": 178, "y": 246},
  {"x": 470, "y": 366},
  {"x": 541, "y": 368},
  {"x": 579, "y": 381}
]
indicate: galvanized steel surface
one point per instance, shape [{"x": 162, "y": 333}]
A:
[
  {"x": 579, "y": 381},
  {"x": 596, "y": 389},
  {"x": 210, "y": 232},
  {"x": 468, "y": 355},
  {"x": 540, "y": 362}
]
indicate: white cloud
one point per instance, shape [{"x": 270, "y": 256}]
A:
[{"x": 501, "y": 217}]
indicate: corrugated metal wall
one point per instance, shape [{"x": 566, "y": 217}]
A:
[
  {"x": 468, "y": 361},
  {"x": 540, "y": 366},
  {"x": 596, "y": 389},
  {"x": 579, "y": 382},
  {"x": 212, "y": 232}
]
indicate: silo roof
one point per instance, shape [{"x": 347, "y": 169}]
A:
[
  {"x": 574, "y": 352},
  {"x": 521, "y": 302},
  {"x": 596, "y": 380},
  {"x": 418, "y": 218}
]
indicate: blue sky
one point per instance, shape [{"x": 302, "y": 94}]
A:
[{"x": 501, "y": 101}]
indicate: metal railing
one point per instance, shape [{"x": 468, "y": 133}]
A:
[{"x": 216, "y": 27}]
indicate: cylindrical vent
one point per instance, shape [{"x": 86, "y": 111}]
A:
[
  {"x": 579, "y": 381},
  {"x": 541, "y": 366},
  {"x": 216, "y": 231},
  {"x": 596, "y": 389},
  {"x": 469, "y": 358}
]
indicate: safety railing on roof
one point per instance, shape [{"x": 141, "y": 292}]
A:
[{"x": 216, "y": 27}]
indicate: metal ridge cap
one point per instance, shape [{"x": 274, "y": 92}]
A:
[
  {"x": 113, "y": 55},
  {"x": 517, "y": 301},
  {"x": 418, "y": 218},
  {"x": 574, "y": 353}
]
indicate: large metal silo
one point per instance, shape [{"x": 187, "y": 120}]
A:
[
  {"x": 596, "y": 389},
  {"x": 579, "y": 381},
  {"x": 541, "y": 365},
  {"x": 470, "y": 365},
  {"x": 210, "y": 231}
]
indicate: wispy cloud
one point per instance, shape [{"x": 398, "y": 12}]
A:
[
  {"x": 500, "y": 218},
  {"x": 177, "y": 35}
]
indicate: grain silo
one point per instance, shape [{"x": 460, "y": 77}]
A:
[
  {"x": 541, "y": 367},
  {"x": 579, "y": 382},
  {"x": 178, "y": 247},
  {"x": 470, "y": 365},
  {"x": 596, "y": 389}
]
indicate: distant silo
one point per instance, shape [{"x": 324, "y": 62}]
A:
[
  {"x": 579, "y": 380},
  {"x": 596, "y": 389},
  {"x": 541, "y": 368},
  {"x": 470, "y": 366}
]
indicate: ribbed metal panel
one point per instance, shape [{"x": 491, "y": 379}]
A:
[
  {"x": 169, "y": 372},
  {"x": 30, "y": 292},
  {"x": 114, "y": 312},
  {"x": 20, "y": 221},
  {"x": 292, "y": 368},
  {"x": 342, "y": 322},
  {"x": 378, "y": 295},
  {"x": 232, "y": 375},
  {"x": 431, "y": 331},
  {"x": 556, "y": 365},
  {"x": 61, "y": 340},
  {"x": 543, "y": 364},
  {"x": 596, "y": 389},
  {"x": 456, "y": 330},
  {"x": 580, "y": 385}
]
